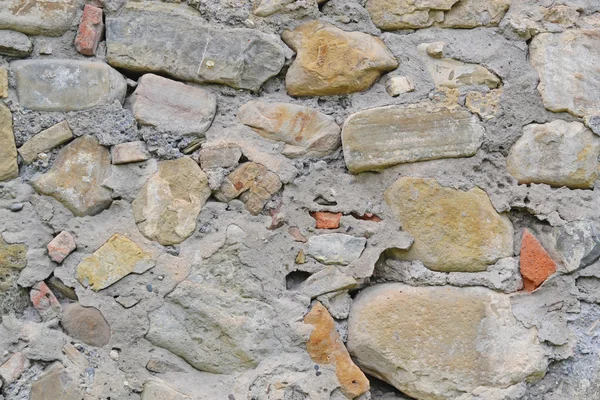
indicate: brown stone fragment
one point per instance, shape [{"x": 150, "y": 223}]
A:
[
  {"x": 326, "y": 347},
  {"x": 12, "y": 369},
  {"x": 535, "y": 263},
  {"x": 56, "y": 383},
  {"x": 61, "y": 246},
  {"x": 326, "y": 219},
  {"x": 86, "y": 324}
]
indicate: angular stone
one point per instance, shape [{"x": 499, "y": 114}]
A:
[
  {"x": 13, "y": 259},
  {"x": 45, "y": 140},
  {"x": 452, "y": 74},
  {"x": 558, "y": 153},
  {"x": 66, "y": 85},
  {"x": 331, "y": 61},
  {"x": 253, "y": 183},
  {"x": 76, "y": 177},
  {"x": 336, "y": 248},
  {"x": 328, "y": 280},
  {"x": 305, "y": 131},
  {"x": 9, "y": 169},
  {"x": 379, "y": 138},
  {"x": 397, "y": 85},
  {"x": 167, "y": 207},
  {"x": 567, "y": 66},
  {"x": 576, "y": 244},
  {"x": 486, "y": 105},
  {"x": 186, "y": 48},
  {"x": 86, "y": 324},
  {"x": 44, "y": 301},
  {"x": 326, "y": 219},
  {"x": 38, "y": 17},
  {"x": 326, "y": 347},
  {"x": 535, "y": 263},
  {"x": 56, "y": 383},
  {"x": 172, "y": 106},
  {"x": 13, "y": 368},
  {"x": 129, "y": 152},
  {"x": 225, "y": 156},
  {"x": 593, "y": 122},
  {"x": 442, "y": 342},
  {"x": 474, "y": 13},
  {"x": 115, "y": 259},
  {"x": 3, "y": 82},
  {"x": 90, "y": 30},
  {"x": 155, "y": 389},
  {"x": 15, "y": 44},
  {"x": 452, "y": 230}
]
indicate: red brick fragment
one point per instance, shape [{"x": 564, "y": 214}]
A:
[
  {"x": 326, "y": 220},
  {"x": 90, "y": 30},
  {"x": 535, "y": 263},
  {"x": 61, "y": 246},
  {"x": 44, "y": 301},
  {"x": 367, "y": 217}
]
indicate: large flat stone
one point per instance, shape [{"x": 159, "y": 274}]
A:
[
  {"x": 9, "y": 169},
  {"x": 67, "y": 85},
  {"x": 38, "y": 17},
  {"x": 453, "y": 231},
  {"x": 558, "y": 154},
  {"x": 567, "y": 64},
  {"x": 332, "y": 61},
  {"x": 45, "y": 140},
  {"x": 177, "y": 41},
  {"x": 172, "y": 106},
  {"x": 438, "y": 343},
  {"x": 382, "y": 137}
]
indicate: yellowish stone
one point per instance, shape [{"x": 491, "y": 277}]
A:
[
  {"x": 3, "y": 82},
  {"x": 9, "y": 169},
  {"x": 486, "y": 105}
]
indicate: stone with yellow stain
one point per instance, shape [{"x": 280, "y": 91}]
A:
[
  {"x": 558, "y": 153},
  {"x": 331, "y": 61},
  {"x": 115, "y": 259},
  {"x": 9, "y": 169},
  {"x": 326, "y": 347},
  {"x": 3, "y": 82},
  {"x": 12, "y": 261},
  {"x": 304, "y": 131},
  {"x": 486, "y": 105},
  {"x": 438, "y": 343},
  {"x": 453, "y": 230}
]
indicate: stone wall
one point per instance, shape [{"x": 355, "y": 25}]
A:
[{"x": 299, "y": 200}]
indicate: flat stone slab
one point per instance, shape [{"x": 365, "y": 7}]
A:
[
  {"x": 9, "y": 169},
  {"x": 382, "y": 137},
  {"x": 15, "y": 44},
  {"x": 45, "y": 140},
  {"x": 38, "y": 17},
  {"x": 67, "y": 85},
  {"x": 336, "y": 248},
  {"x": 177, "y": 41}
]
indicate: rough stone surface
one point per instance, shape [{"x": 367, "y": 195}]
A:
[
  {"x": 14, "y": 44},
  {"x": 440, "y": 342},
  {"x": 86, "y": 324},
  {"x": 168, "y": 205},
  {"x": 305, "y": 131},
  {"x": 155, "y": 389},
  {"x": 9, "y": 169},
  {"x": 129, "y": 152},
  {"x": 76, "y": 177},
  {"x": 44, "y": 301},
  {"x": 397, "y": 85},
  {"x": 382, "y": 137},
  {"x": 91, "y": 29},
  {"x": 61, "y": 246},
  {"x": 38, "y": 17},
  {"x": 566, "y": 63},
  {"x": 45, "y": 140},
  {"x": 332, "y": 61},
  {"x": 486, "y": 105},
  {"x": 336, "y": 248},
  {"x": 172, "y": 106},
  {"x": 67, "y": 85},
  {"x": 55, "y": 383},
  {"x": 3, "y": 82},
  {"x": 453, "y": 230},
  {"x": 188, "y": 49},
  {"x": 13, "y": 368},
  {"x": 534, "y": 262},
  {"x": 558, "y": 154}
]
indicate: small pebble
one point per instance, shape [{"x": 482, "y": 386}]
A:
[
  {"x": 114, "y": 354},
  {"x": 15, "y": 207},
  {"x": 149, "y": 287}
]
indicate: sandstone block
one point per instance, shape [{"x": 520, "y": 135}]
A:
[
  {"x": 15, "y": 44},
  {"x": 86, "y": 324},
  {"x": 9, "y": 169},
  {"x": 90, "y": 30},
  {"x": 535, "y": 263},
  {"x": 38, "y": 17},
  {"x": 381, "y": 137},
  {"x": 67, "y": 85},
  {"x": 129, "y": 152},
  {"x": 331, "y": 61},
  {"x": 13, "y": 368},
  {"x": 222, "y": 156},
  {"x": 453, "y": 231},
  {"x": 397, "y": 85},
  {"x": 336, "y": 248},
  {"x": 45, "y": 140},
  {"x": 3, "y": 82}
]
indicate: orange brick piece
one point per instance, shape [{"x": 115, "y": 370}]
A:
[
  {"x": 535, "y": 263},
  {"x": 326, "y": 347},
  {"x": 61, "y": 246},
  {"x": 90, "y": 30},
  {"x": 326, "y": 220}
]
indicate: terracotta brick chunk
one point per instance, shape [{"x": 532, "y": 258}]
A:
[
  {"x": 90, "y": 31},
  {"x": 326, "y": 220},
  {"x": 44, "y": 301},
  {"x": 536, "y": 265},
  {"x": 61, "y": 246}
]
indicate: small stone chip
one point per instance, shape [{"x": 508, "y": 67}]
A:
[
  {"x": 129, "y": 152},
  {"x": 61, "y": 246}
]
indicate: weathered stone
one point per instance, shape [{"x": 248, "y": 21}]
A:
[
  {"x": 3, "y": 82},
  {"x": 56, "y": 383},
  {"x": 167, "y": 207},
  {"x": 13, "y": 368},
  {"x": 593, "y": 122},
  {"x": 86, "y": 324},
  {"x": 558, "y": 153},
  {"x": 331, "y": 61},
  {"x": 253, "y": 183},
  {"x": 12, "y": 261},
  {"x": 326, "y": 347},
  {"x": 452, "y": 230},
  {"x": 452, "y": 74},
  {"x": 381, "y": 137},
  {"x": 225, "y": 156},
  {"x": 336, "y": 248},
  {"x": 186, "y": 48},
  {"x": 117, "y": 258},
  {"x": 66, "y": 85},
  {"x": 15, "y": 44},
  {"x": 44, "y": 301},
  {"x": 305, "y": 131},
  {"x": 535, "y": 263},
  {"x": 397, "y": 85},
  {"x": 76, "y": 177},
  {"x": 473, "y": 13},
  {"x": 9, "y": 169},
  {"x": 574, "y": 245},
  {"x": 90, "y": 30},
  {"x": 129, "y": 152},
  {"x": 45, "y": 140},
  {"x": 327, "y": 280},
  {"x": 172, "y": 106},
  {"x": 266, "y": 8},
  {"x": 38, "y": 17},
  {"x": 441, "y": 342},
  {"x": 566, "y": 64},
  {"x": 486, "y": 105},
  {"x": 326, "y": 220},
  {"x": 155, "y": 389}
]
